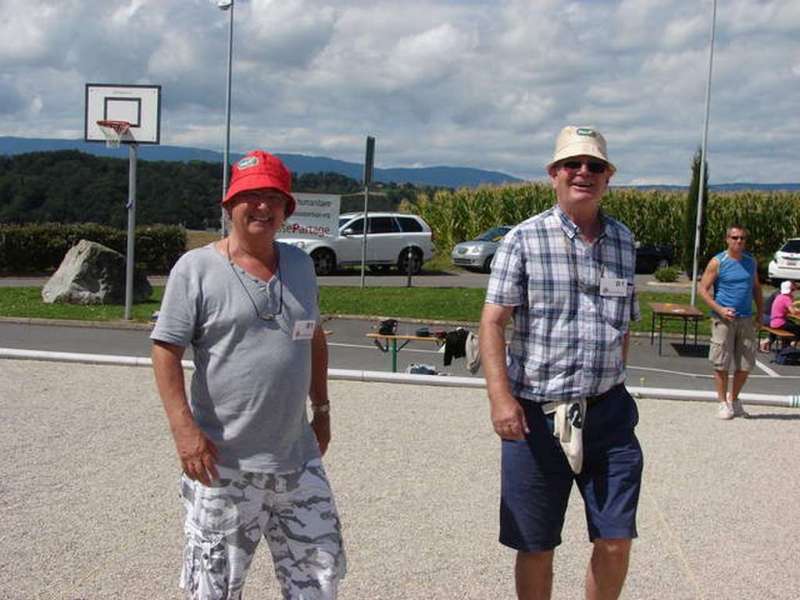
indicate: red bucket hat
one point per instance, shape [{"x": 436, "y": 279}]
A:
[{"x": 259, "y": 170}]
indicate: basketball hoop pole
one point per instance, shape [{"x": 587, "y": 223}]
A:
[
  {"x": 131, "y": 230},
  {"x": 227, "y": 5}
]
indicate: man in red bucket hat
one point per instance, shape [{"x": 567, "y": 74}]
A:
[{"x": 251, "y": 459}]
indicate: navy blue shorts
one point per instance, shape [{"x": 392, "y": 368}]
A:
[{"x": 536, "y": 478}]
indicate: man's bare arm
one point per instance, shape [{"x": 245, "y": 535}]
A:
[
  {"x": 759, "y": 297},
  {"x": 318, "y": 392},
  {"x": 198, "y": 454},
  {"x": 508, "y": 418}
]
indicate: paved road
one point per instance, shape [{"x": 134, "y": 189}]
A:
[{"x": 678, "y": 368}]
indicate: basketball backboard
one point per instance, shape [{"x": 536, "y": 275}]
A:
[{"x": 140, "y": 105}]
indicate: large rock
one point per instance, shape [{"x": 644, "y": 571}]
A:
[{"x": 93, "y": 274}]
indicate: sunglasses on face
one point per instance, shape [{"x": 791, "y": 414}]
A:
[
  {"x": 736, "y": 238},
  {"x": 593, "y": 166}
]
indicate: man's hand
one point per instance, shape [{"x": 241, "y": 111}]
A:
[
  {"x": 198, "y": 454},
  {"x": 728, "y": 313},
  {"x": 321, "y": 424},
  {"x": 508, "y": 419}
]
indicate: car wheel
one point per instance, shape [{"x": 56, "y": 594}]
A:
[
  {"x": 487, "y": 264},
  {"x": 324, "y": 261},
  {"x": 413, "y": 266}
]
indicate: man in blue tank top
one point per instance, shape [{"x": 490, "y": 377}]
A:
[{"x": 729, "y": 286}]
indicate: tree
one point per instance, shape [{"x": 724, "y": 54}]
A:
[{"x": 691, "y": 215}]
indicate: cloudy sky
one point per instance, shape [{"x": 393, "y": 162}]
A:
[{"x": 480, "y": 83}]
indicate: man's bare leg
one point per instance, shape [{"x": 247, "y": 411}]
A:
[
  {"x": 607, "y": 569},
  {"x": 739, "y": 379},
  {"x": 721, "y": 385},
  {"x": 534, "y": 575}
]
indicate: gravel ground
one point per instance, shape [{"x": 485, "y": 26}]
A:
[{"x": 88, "y": 490}]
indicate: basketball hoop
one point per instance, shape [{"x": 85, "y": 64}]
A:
[{"x": 114, "y": 131}]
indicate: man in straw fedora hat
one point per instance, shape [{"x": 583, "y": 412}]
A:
[
  {"x": 557, "y": 396},
  {"x": 251, "y": 460}
]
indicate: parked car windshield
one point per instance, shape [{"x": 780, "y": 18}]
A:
[
  {"x": 495, "y": 234},
  {"x": 356, "y": 226},
  {"x": 792, "y": 246}
]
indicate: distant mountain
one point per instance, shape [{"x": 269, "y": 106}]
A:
[{"x": 299, "y": 163}]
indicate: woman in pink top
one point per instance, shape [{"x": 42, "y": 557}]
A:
[{"x": 782, "y": 307}]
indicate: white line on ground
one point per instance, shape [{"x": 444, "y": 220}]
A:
[
  {"x": 767, "y": 370},
  {"x": 654, "y": 370},
  {"x": 770, "y": 373}
]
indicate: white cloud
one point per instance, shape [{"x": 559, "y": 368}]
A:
[{"x": 483, "y": 83}]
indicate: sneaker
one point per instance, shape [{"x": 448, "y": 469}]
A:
[
  {"x": 725, "y": 411},
  {"x": 738, "y": 409}
]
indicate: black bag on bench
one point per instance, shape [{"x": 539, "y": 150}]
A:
[
  {"x": 388, "y": 327},
  {"x": 788, "y": 356}
]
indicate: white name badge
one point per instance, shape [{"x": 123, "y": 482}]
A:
[
  {"x": 304, "y": 330},
  {"x": 611, "y": 286}
]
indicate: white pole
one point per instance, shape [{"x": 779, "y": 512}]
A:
[
  {"x": 698, "y": 223},
  {"x": 225, "y": 155},
  {"x": 642, "y": 393},
  {"x": 131, "y": 230}
]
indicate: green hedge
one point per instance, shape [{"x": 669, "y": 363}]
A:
[{"x": 39, "y": 248}]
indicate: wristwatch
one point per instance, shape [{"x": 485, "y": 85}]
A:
[{"x": 321, "y": 408}]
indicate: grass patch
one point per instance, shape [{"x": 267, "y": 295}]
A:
[
  {"x": 446, "y": 304},
  {"x": 456, "y": 304},
  {"x": 26, "y": 302}
]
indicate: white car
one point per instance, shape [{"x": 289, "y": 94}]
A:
[
  {"x": 390, "y": 236},
  {"x": 786, "y": 263}
]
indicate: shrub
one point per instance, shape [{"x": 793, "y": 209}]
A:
[
  {"x": 667, "y": 274},
  {"x": 40, "y": 247}
]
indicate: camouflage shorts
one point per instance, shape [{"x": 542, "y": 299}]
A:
[{"x": 296, "y": 514}]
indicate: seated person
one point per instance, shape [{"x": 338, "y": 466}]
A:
[{"x": 782, "y": 308}]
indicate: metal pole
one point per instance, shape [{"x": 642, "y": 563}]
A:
[
  {"x": 698, "y": 224},
  {"x": 369, "y": 157},
  {"x": 226, "y": 153},
  {"x": 364, "y": 236},
  {"x": 131, "y": 230}
]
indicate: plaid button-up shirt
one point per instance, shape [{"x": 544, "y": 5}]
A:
[{"x": 567, "y": 339}]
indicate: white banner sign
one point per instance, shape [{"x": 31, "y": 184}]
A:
[{"x": 316, "y": 215}]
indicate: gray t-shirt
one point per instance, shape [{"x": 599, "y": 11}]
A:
[{"x": 251, "y": 378}]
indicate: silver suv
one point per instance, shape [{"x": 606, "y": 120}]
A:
[{"x": 389, "y": 238}]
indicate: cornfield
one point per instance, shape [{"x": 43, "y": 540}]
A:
[{"x": 654, "y": 216}]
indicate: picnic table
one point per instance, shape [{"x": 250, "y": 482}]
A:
[
  {"x": 665, "y": 311},
  {"x": 388, "y": 343}
]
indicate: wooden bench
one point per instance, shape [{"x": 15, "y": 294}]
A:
[
  {"x": 388, "y": 343},
  {"x": 774, "y": 334}
]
